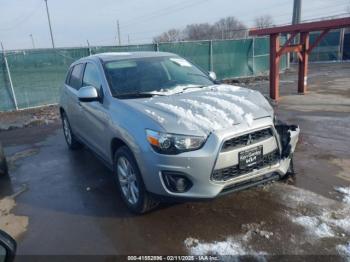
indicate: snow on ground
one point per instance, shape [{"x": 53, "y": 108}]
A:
[
  {"x": 320, "y": 219},
  {"x": 228, "y": 247},
  {"x": 344, "y": 250},
  {"x": 237, "y": 245},
  {"x": 314, "y": 226},
  {"x": 346, "y": 193},
  {"x": 325, "y": 217}
]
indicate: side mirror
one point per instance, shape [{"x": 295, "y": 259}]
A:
[
  {"x": 87, "y": 94},
  {"x": 8, "y": 247},
  {"x": 212, "y": 75}
]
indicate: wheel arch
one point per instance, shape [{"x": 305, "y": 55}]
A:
[{"x": 117, "y": 143}]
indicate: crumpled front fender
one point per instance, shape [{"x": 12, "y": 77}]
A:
[{"x": 288, "y": 136}]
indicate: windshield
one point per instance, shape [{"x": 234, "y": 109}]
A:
[{"x": 156, "y": 74}]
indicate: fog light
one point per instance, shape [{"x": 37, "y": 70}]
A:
[{"x": 176, "y": 182}]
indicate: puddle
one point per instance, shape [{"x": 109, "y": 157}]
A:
[{"x": 11, "y": 160}]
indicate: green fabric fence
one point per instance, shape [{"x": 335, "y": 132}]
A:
[{"x": 38, "y": 75}]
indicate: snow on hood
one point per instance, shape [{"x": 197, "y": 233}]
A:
[{"x": 204, "y": 110}]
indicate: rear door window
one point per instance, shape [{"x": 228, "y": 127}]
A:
[{"x": 75, "y": 78}]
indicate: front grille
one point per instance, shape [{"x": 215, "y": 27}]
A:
[
  {"x": 246, "y": 139},
  {"x": 234, "y": 171}
]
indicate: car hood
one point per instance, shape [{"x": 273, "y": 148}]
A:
[{"x": 201, "y": 111}]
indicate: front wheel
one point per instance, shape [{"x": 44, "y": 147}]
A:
[{"x": 130, "y": 183}]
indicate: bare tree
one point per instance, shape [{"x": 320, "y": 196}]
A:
[
  {"x": 171, "y": 35},
  {"x": 198, "y": 32},
  {"x": 229, "y": 28},
  {"x": 264, "y": 21},
  {"x": 226, "y": 28}
]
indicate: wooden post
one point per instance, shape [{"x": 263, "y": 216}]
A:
[
  {"x": 274, "y": 66},
  {"x": 303, "y": 64}
]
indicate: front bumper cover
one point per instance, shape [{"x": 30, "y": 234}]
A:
[{"x": 197, "y": 166}]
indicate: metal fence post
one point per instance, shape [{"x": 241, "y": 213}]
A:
[
  {"x": 88, "y": 44},
  {"x": 341, "y": 44},
  {"x": 157, "y": 47},
  {"x": 211, "y": 64},
  {"x": 9, "y": 76},
  {"x": 253, "y": 47},
  {"x": 288, "y": 54}
]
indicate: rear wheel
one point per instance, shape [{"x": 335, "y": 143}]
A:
[
  {"x": 130, "y": 183},
  {"x": 71, "y": 140}
]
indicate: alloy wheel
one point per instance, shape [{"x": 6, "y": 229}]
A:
[{"x": 127, "y": 180}]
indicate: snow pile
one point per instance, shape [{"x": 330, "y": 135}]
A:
[
  {"x": 157, "y": 117},
  {"x": 178, "y": 89},
  {"x": 344, "y": 250},
  {"x": 223, "y": 88},
  {"x": 314, "y": 226},
  {"x": 240, "y": 99},
  {"x": 249, "y": 119},
  {"x": 346, "y": 192},
  {"x": 232, "y": 246},
  {"x": 191, "y": 119},
  {"x": 223, "y": 248},
  {"x": 210, "y": 111},
  {"x": 325, "y": 217},
  {"x": 226, "y": 105},
  {"x": 229, "y": 247}
]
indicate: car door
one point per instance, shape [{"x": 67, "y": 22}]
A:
[
  {"x": 72, "y": 86},
  {"x": 94, "y": 114}
]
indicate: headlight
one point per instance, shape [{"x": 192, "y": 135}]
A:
[{"x": 173, "y": 144}]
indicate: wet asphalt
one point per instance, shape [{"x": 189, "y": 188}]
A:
[{"x": 74, "y": 208}]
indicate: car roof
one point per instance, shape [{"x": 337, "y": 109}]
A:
[{"x": 114, "y": 56}]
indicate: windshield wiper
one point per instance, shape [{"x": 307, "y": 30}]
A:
[
  {"x": 206, "y": 77},
  {"x": 189, "y": 87},
  {"x": 138, "y": 95}
]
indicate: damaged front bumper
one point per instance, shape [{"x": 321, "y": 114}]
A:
[
  {"x": 200, "y": 166},
  {"x": 288, "y": 136}
]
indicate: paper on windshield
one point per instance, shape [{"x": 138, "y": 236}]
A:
[{"x": 181, "y": 62}]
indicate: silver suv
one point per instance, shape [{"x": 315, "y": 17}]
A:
[{"x": 168, "y": 129}]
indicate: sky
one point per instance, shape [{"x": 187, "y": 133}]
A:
[{"x": 76, "y": 21}]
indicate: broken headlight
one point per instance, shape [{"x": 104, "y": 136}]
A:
[{"x": 172, "y": 144}]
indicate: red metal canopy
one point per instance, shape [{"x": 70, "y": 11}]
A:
[{"x": 303, "y": 48}]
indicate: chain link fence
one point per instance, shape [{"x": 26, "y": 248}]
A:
[{"x": 34, "y": 77}]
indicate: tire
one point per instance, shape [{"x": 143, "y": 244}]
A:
[
  {"x": 130, "y": 184},
  {"x": 3, "y": 163},
  {"x": 71, "y": 140}
]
